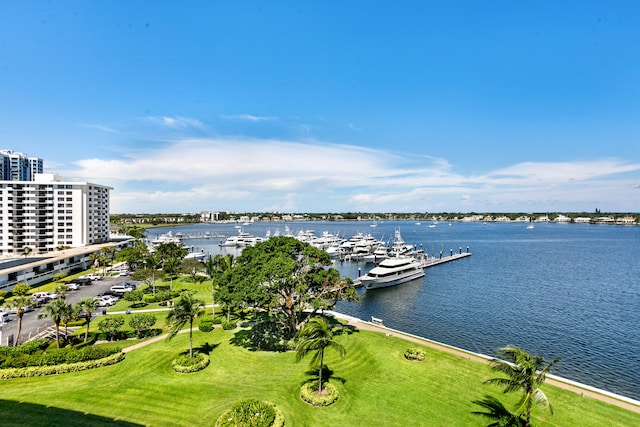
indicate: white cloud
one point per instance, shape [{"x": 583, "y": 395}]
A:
[
  {"x": 177, "y": 122},
  {"x": 249, "y": 174},
  {"x": 249, "y": 117},
  {"x": 99, "y": 127}
]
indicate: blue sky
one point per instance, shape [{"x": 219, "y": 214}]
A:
[{"x": 332, "y": 106}]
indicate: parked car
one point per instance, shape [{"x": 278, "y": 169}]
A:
[
  {"x": 106, "y": 301},
  {"x": 82, "y": 281},
  {"x": 132, "y": 286},
  {"x": 124, "y": 273},
  {"x": 92, "y": 276},
  {"x": 14, "y": 310},
  {"x": 46, "y": 296},
  {"x": 120, "y": 289},
  {"x": 73, "y": 286},
  {"x": 4, "y": 317}
]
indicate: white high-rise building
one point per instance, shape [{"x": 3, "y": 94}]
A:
[{"x": 50, "y": 214}]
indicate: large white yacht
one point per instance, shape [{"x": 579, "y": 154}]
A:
[{"x": 393, "y": 271}]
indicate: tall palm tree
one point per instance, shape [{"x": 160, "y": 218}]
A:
[
  {"x": 19, "y": 302},
  {"x": 171, "y": 266},
  {"x": 186, "y": 310},
  {"x": 85, "y": 308},
  {"x": 316, "y": 336},
  {"x": 498, "y": 413},
  {"x": 524, "y": 373},
  {"x": 56, "y": 310}
]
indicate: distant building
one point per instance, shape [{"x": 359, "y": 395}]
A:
[
  {"x": 18, "y": 166},
  {"x": 48, "y": 214}
]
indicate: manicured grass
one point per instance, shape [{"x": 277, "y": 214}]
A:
[{"x": 377, "y": 387}]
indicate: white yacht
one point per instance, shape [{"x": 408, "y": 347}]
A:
[{"x": 393, "y": 271}]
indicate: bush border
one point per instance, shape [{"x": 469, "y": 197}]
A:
[
  {"x": 199, "y": 365},
  {"x": 308, "y": 394},
  {"x": 41, "y": 371},
  {"x": 415, "y": 354},
  {"x": 277, "y": 422}
]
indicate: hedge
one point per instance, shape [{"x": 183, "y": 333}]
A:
[{"x": 41, "y": 371}]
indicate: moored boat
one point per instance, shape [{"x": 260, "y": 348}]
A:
[{"x": 393, "y": 271}]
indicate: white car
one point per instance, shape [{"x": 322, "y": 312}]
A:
[
  {"x": 106, "y": 301},
  {"x": 73, "y": 286},
  {"x": 93, "y": 276},
  {"x": 120, "y": 289}
]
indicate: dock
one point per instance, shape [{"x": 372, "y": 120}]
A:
[{"x": 430, "y": 262}]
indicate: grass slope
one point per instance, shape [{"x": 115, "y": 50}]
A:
[{"x": 377, "y": 387}]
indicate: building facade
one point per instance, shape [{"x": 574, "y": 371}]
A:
[
  {"x": 18, "y": 166},
  {"x": 50, "y": 214}
]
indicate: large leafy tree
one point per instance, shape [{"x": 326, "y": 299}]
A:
[
  {"x": 19, "y": 302},
  {"x": 186, "y": 310},
  {"x": 524, "y": 373},
  {"x": 315, "y": 337},
  {"x": 287, "y": 277},
  {"x": 215, "y": 268},
  {"x": 133, "y": 255},
  {"x": 85, "y": 308},
  {"x": 56, "y": 310}
]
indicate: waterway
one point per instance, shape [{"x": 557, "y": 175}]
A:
[{"x": 557, "y": 290}]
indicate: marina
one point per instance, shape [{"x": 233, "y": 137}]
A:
[{"x": 558, "y": 290}]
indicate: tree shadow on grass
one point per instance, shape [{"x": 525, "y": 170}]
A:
[
  {"x": 242, "y": 339},
  {"x": 28, "y": 414},
  {"x": 327, "y": 374},
  {"x": 205, "y": 348}
]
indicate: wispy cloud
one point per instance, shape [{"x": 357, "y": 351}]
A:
[
  {"x": 176, "y": 122},
  {"x": 353, "y": 127},
  {"x": 96, "y": 126},
  {"x": 247, "y": 174},
  {"x": 249, "y": 117}
]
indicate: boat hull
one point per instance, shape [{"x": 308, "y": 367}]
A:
[{"x": 391, "y": 281}]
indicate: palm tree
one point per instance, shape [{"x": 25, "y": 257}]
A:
[
  {"x": 56, "y": 310},
  {"x": 498, "y": 413},
  {"x": 525, "y": 373},
  {"x": 316, "y": 336},
  {"x": 61, "y": 290},
  {"x": 19, "y": 302},
  {"x": 85, "y": 308},
  {"x": 186, "y": 310},
  {"x": 171, "y": 266}
]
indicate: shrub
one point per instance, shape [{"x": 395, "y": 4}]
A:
[
  {"x": 184, "y": 364},
  {"x": 38, "y": 371},
  {"x": 415, "y": 354},
  {"x": 110, "y": 326},
  {"x": 142, "y": 323},
  {"x": 206, "y": 325},
  {"x": 268, "y": 336},
  {"x": 308, "y": 393},
  {"x": 58, "y": 357},
  {"x": 251, "y": 413},
  {"x": 227, "y": 326}
]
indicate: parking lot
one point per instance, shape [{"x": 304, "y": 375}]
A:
[{"x": 31, "y": 325}]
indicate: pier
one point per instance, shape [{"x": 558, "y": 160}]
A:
[{"x": 430, "y": 262}]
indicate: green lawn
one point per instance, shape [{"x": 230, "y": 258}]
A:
[{"x": 377, "y": 388}]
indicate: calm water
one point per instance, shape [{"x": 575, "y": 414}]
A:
[{"x": 559, "y": 290}]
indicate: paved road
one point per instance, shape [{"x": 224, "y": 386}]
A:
[{"x": 31, "y": 325}]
